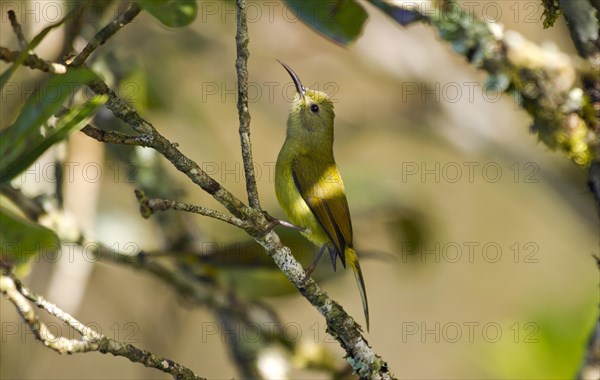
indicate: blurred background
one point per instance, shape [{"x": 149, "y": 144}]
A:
[{"x": 476, "y": 241}]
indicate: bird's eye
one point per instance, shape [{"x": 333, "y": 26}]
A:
[{"x": 314, "y": 108}]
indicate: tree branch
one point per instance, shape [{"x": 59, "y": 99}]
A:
[
  {"x": 365, "y": 362},
  {"x": 241, "y": 65},
  {"x": 105, "y": 33},
  {"x": 583, "y": 23},
  {"x": 32, "y": 61},
  {"x": 14, "y": 23},
  {"x": 114, "y": 137},
  {"x": 21, "y": 296},
  {"x": 545, "y": 80},
  {"x": 149, "y": 206}
]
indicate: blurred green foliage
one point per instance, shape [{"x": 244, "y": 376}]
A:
[
  {"x": 172, "y": 13},
  {"x": 23, "y": 142}
]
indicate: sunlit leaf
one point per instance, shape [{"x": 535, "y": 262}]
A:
[
  {"x": 172, "y": 13},
  {"x": 21, "y": 239}
]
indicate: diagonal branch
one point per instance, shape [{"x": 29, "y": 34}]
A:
[
  {"x": 20, "y": 296},
  {"x": 365, "y": 362},
  {"x": 107, "y": 32},
  {"x": 150, "y": 137}
]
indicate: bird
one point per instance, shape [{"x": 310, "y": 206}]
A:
[{"x": 308, "y": 184}]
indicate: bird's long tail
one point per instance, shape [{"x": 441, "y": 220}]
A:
[{"x": 352, "y": 259}]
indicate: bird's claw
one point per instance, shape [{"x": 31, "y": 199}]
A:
[{"x": 274, "y": 222}]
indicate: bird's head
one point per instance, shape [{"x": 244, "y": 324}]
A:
[{"x": 311, "y": 113}]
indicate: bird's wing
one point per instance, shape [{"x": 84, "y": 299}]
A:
[{"x": 322, "y": 189}]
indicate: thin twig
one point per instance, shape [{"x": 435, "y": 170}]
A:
[
  {"x": 150, "y": 137},
  {"x": 149, "y": 206},
  {"x": 42, "y": 303},
  {"x": 20, "y": 296},
  {"x": 33, "y": 210},
  {"x": 241, "y": 66},
  {"x": 32, "y": 61},
  {"x": 18, "y": 30},
  {"x": 114, "y": 137},
  {"x": 107, "y": 32}
]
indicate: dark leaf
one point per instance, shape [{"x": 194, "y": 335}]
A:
[
  {"x": 340, "y": 20},
  {"x": 403, "y": 15}
]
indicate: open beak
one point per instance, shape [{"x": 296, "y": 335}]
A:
[{"x": 299, "y": 87}]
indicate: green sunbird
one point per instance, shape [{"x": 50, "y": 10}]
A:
[{"x": 308, "y": 183}]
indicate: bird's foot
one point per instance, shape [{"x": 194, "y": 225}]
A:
[
  {"x": 309, "y": 271},
  {"x": 274, "y": 222},
  {"x": 312, "y": 266}
]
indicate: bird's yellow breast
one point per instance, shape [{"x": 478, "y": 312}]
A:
[{"x": 292, "y": 202}]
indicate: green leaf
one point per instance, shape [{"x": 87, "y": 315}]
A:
[
  {"x": 172, "y": 13},
  {"x": 21, "y": 239},
  {"x": 32, "y": 45},
  {"x": 22, "y": 143},
  {"x": 341, "y": 20}
]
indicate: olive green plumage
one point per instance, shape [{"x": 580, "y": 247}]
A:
[{"x": 308, "y": 183}]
